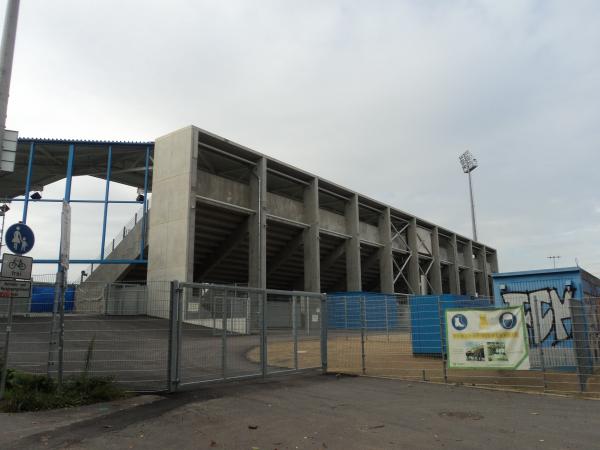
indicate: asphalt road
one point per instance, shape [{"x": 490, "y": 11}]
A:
[{"x": 327, "y": 412}]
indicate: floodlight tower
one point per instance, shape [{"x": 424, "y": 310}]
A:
[{"x": 469, "y": 164}]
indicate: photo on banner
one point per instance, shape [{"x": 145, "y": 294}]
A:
[{"x": 493, "y": 338}]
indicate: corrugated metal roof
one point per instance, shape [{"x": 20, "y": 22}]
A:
[{"x": 83, "y": 141}]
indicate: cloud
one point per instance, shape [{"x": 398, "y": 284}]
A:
[{"x": 378, "y": 96}]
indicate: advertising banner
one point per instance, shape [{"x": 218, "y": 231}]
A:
[{"x": 494, "y": 338}]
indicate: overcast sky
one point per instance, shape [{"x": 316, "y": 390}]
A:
[{"x": 378, "y": 96}]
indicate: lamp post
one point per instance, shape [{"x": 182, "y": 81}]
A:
[
  {"x": 7, "y": 49},
  {"x": 469, "y": 164}
]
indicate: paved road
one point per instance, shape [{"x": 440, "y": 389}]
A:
[{"x": 326, "y": 412}]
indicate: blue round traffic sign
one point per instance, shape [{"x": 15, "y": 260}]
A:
[{"x": 19, "y": 238}]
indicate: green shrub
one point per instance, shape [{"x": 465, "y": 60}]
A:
[{"x": 28, "y": 392}]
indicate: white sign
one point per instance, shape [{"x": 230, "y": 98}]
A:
[
  {"x": 15, "y": 289},
  {"x": 8, "y": 151},
  {"x": 494, "y": 338},
  {"x": 16, "y": 266}
]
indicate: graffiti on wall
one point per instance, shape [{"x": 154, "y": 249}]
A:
[{"x": 553, "y": 313}]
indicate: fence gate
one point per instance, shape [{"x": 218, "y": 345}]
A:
[{"x": 221, "y": 333}]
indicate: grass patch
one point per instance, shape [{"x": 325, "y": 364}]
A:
[{"x": 28, "y": 392}]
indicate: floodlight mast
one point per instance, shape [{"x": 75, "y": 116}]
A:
[
  {"x": 7, "y": 49},
  {"x": 469, "y": 164}
]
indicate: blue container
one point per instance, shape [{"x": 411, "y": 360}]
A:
[
  {"x": 549, "y": 298},
  {"x": 344, "y": 311},
  {"x": 42, "y": 298},
  {"x": 426, "y": 323}
]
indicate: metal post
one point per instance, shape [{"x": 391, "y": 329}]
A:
[
  {"x": 539, "y": 339},
  {"x": 6, "y": 344},
  {"x": 346, "y": 311},
  {"x": 106, "y": 197},
  {"x": 61, "y": 330},
  {"x": 443, "y": 344},
  {"x": 472, "y": 208},
  {"x": 145, "y": 206},
  {"x": 263, "y": 332},
  {"x": 173, "y": 351},
  {"x": 294, "y": 332},
  {"x": 579, "y": 342},
  {"x": 363, "y": 320},
  {"x": 28, "y": 181},
  {"x": 307, "y": 315},
  {"x": 9, "y": 35},
  {"x": 324, "y": 323},
  {"x": 224, "y": 335},
  {"x": 387, "y": 323}
]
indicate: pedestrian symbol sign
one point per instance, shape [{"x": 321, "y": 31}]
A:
[{"x": 19, "y": 238}]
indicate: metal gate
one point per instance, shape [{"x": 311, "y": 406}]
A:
[{"x": 221, "y": 333}]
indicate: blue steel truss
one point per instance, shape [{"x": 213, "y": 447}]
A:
[{"x": 67, "y": 196}]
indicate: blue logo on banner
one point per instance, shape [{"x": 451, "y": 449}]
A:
[
  {"x": 508, "y": 320},
  {"x": 19, "y": 238},
  {"x": 459, "y": 322}
]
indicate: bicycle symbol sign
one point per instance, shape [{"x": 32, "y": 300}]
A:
[{"x": 16, "y": 266}]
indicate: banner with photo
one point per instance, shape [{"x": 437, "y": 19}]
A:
[{"x": 494, "y": 338}]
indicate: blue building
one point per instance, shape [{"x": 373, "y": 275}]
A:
[{"x": 561, "y": 311}]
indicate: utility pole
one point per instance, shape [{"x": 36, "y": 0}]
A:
[
  {"x": 7, "y": 50},
  {"x": 469, "y": 164},
  {"x": 553, "y": 258}
]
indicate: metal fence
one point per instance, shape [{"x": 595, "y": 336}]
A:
[
  {"x": 162, "y": 335},
  {"x": 404, "y": 337}
]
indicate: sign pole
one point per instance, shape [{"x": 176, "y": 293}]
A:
[{"x": 6, "y": 344}]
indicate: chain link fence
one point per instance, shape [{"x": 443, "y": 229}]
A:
[
  {"x": 405, "y": 337},
  {"x": 161, "y": 335}
]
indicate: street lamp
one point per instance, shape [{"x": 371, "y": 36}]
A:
[{"x": 469, "y": 164}]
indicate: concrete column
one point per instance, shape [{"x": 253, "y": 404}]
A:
[
  {"x": 413, "y": 265},
  {"x": 484, "y": 273},
  {"x": 312, "y": 254},
  {"x": 470, "y": 273},
  {"x": 257, "y": 227},
  {"x": 386, "y": 265},
  {"x": 494, "y": 262},
  {"x": 353, "y": 273},
  {"x": 436, "y": 267},
  {"x": 172, "y": 222},
  {"x": 454, "y": 272}
]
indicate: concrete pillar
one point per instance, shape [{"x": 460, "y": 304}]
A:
[
  {"x": 172, "y": 222},
  {"x": 453, "y": 270},
  {"x": 312, "y": 254},
  {"x": 436, "y": 267},
  {"x": 494, "y": 263},
  {"x": 353, "y": 273},
  {"x": 386, "y": 265},
  {"x": 257, "y": 227},
  {"x": 413, "y": 265},
  {"x": 484, "y": 274},
  {"x": 469, "y": 273}
]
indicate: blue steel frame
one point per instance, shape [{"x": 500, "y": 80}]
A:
[{"x": 106, "y": 202}]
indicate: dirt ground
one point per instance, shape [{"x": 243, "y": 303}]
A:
[
  {"x": 330, "y": 412},
  {"x": 391, "y": 356}
]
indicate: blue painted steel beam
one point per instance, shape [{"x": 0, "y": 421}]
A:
[
  {"x": 60, "y": 200},
  {"x": 145, "y": 207},
  {"x": 28, "y": 181},
  {"x": 93, "y": 261},
  {"x": 106, "y": 192}
]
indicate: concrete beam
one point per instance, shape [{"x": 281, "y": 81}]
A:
[
  {"x": 436, "y": 268},
  {"x": 226, "y": 247},
  {"x": 312, "y": 252},
  {"x": 454, "y": 273},
  {"x": 353, "y": 271},
  {"x": 469, "y": 273},
  {"x": 257, "y": 229},
  {"x": 285, "y": 253},
  {"x": 386, "y": 264},
  {"x": 413, "y": 265}
]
